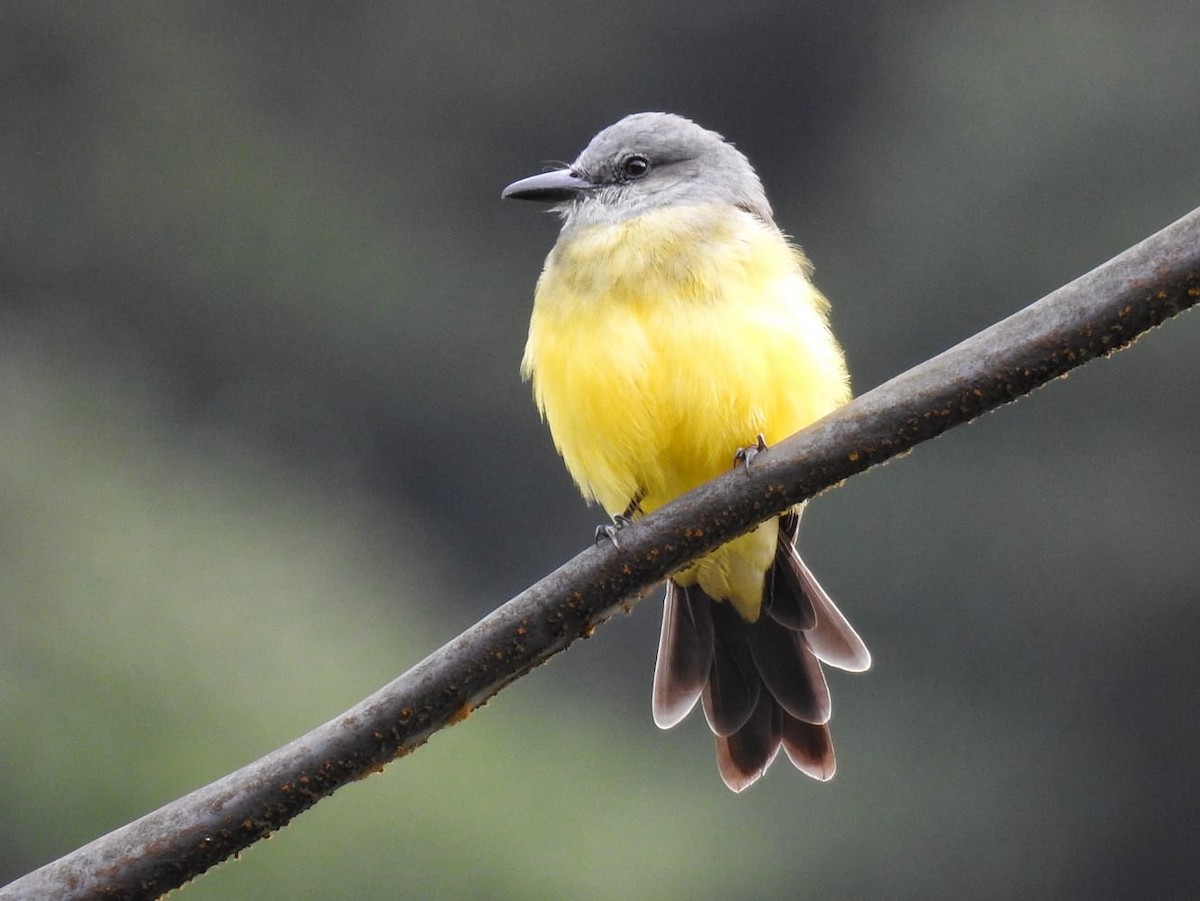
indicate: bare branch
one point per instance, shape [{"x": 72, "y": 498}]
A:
[{"x": 1093, "y": 316}]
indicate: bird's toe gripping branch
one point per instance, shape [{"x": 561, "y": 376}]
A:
[
  {"x": 609, "y": 530},
  {"x": 746, "y": 455}
]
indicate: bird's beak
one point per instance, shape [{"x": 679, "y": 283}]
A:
[{"x": 551, "y": 187}]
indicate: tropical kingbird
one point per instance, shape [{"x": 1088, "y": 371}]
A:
[{"x": 674, "y": 327}]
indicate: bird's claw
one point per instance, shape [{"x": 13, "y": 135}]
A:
[
  {"x": 746, "y": 454},
  {"x": 609, "y": 530}
]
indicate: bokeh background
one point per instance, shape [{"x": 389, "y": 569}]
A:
[{"x": 263, "y": 444}]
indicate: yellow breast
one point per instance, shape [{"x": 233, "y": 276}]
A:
[{"x": 661, "y": 345}]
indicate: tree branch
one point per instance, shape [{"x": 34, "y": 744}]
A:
[{"x": 1095, "y": 315}]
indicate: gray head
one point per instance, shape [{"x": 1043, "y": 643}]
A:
[{"x": 642, "y": 163}]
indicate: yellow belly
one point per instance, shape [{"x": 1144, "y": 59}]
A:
[{"x": 660, "y": 346}]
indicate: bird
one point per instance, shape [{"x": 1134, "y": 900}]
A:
[{"x": 676, "y": 331}]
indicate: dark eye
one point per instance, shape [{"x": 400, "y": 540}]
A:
[{"x": 635, "y": 166}]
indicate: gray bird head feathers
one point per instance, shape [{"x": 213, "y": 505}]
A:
[{"x": 644, "y": 162}]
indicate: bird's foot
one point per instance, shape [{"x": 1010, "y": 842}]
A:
[
  {"x": 746, "y": 454},
  {"x": 609, "y": 530}
]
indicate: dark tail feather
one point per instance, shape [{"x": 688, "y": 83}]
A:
[
  {"x": 685, "y": 653},
  {"x": 786, "y": 600},
  {"x": 809, "y": 748},
  {"x": 761, "y": 682},
  {"x": 734, "y": 685},
  {"x": 790, "y": 671},
  {"x": 831, "y": 637},
  {"x": 745, "y": 755}
]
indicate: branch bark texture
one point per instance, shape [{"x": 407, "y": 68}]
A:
[{"x": 1093, "y": 316}]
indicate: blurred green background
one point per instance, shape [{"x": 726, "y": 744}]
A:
[{"x": 263, "y": 444}]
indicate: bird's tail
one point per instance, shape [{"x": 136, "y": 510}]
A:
[{"x": 761, "y": 683}]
